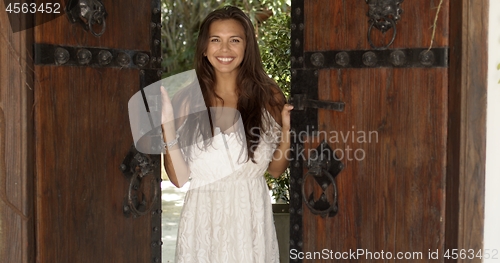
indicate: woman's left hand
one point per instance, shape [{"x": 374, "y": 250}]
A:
[{"x": 285, "y": 117}]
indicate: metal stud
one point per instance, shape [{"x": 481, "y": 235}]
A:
[
  {"x": 104, "y": 57},
  {"x": 317, "y": 59},
  {"x": 342, "y": 58},
  {"x": 297, "y": 42},
  {"x": 141, "y": 59},
  {"x": 397, "y": 58},
  {"x": 84, "y": 56},
  {"x": 123, "y": 59},
  {"x": 61, "y": 56},
  {"x": 427, "y": 58},
  {"x": 369, "y": 59},
  {"x": 293, "y": 27},
  {"x": 298, "y": 11}
]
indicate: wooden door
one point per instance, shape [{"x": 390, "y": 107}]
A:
[
  {"x": 388, "y": 111},
  {"x": 82, "y": 87}
]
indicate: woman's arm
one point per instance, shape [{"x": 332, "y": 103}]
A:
[
  {"x": 177, "y": 170},
  {"x": 281, "y": 155}
]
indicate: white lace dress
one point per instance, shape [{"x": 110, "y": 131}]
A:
[{"x": 227, "y": 217}]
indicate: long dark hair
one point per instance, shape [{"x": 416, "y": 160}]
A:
[{"x": 256, "y": 90}]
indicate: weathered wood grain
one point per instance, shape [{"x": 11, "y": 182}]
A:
[
  {"x": 467, "y": 126},
  {"x": 394, "y": 199},
  {"x": 82, "y": 135},
  {"x": 16, "y": 144}
]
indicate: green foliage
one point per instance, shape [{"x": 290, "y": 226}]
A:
[
  {"x": 180, "y": 23},
  {"x": 181, "y": 20},
  {"x": 274, "y": 43}
]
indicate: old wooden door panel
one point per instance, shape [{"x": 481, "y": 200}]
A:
[
  {"x": 82, "y": 136},
  {"x": 128, "y": 24},
  {"x": 393, "y": 198},
  {"x": 343, "y": 25}
]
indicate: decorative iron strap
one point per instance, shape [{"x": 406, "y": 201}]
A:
[
  {"x": 46, "y": 54},
  {"x": 397, "y": 58},
  {"x": 301, "y": 81},
  {"x": 147, "y": 77}
]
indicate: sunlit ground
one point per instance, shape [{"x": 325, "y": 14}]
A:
[{"x": 172, "y": 199}]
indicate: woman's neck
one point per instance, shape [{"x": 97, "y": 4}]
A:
[
  {"x": 225, "y": 85},
  {"x": 226, "y": 89}
]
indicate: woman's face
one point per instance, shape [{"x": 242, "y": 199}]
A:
[{"x": 226, "y": 46}]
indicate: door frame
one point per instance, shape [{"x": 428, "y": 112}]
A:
[
  {"x": 17, "y": 222},
  {"x": 466, "y": 145}
]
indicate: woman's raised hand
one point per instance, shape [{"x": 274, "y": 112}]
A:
[
  {"x": 285, "y": 117},
  {"x": 167, "y": 112}
]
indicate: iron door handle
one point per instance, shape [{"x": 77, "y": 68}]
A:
[{"x": 323, "y": 167}]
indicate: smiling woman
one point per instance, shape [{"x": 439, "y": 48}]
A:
[
  {"x": 226, "y": 46},
  {"x": 227, "y": 214}
]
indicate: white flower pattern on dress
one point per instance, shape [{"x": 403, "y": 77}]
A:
[{"x": 230, "y": 218}]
